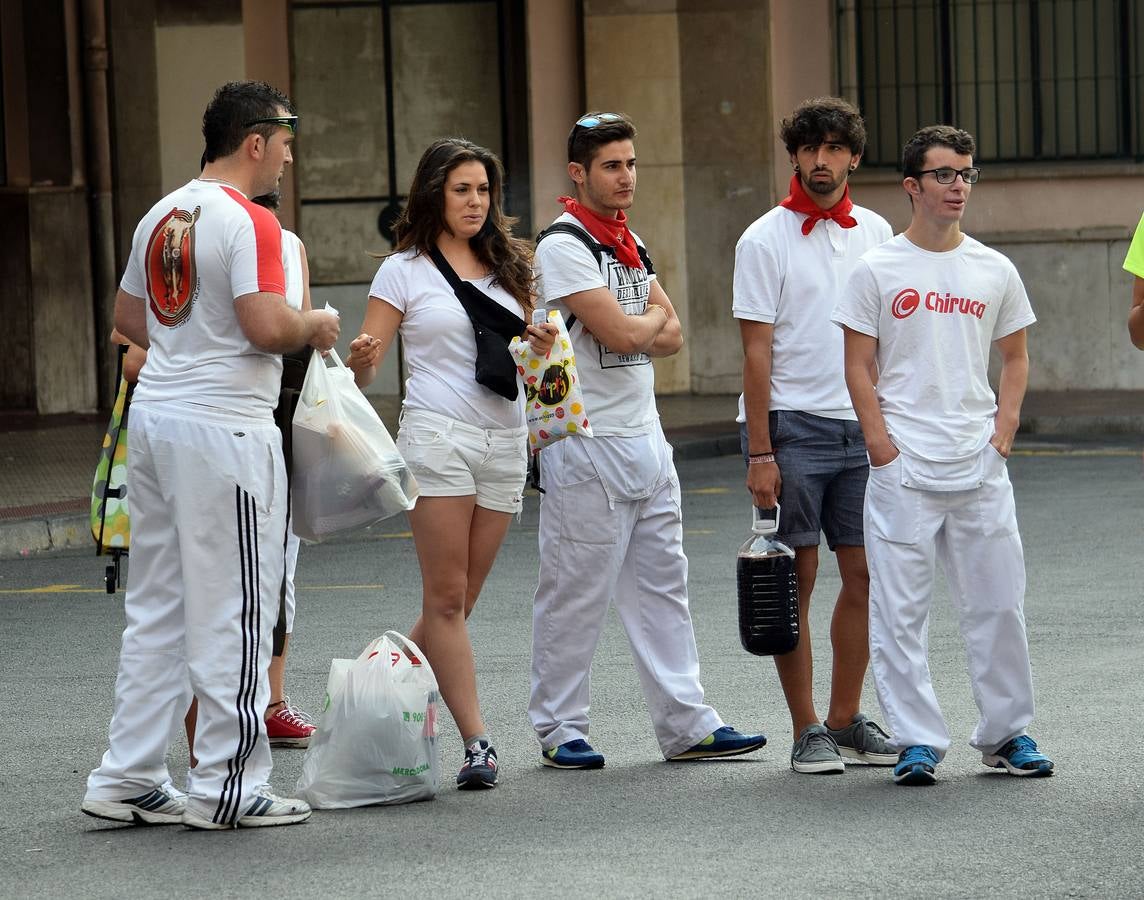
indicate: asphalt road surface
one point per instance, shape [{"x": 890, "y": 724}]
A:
[{"x": 641, "y": 827}]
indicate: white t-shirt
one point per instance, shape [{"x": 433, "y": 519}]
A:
[
  {"x": 619, "y": 388},
  {"x": 793, "y": 281},
  {"x": 292, "y": 264},
  {"x": 198, "y": 249},
  {"x": 935, "y": 316},
  {"x": 439, "y": 344}
]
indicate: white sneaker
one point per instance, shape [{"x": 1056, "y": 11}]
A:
[
  {"x": 165, "y": 805},
  {"x": 266, "y": 809}
]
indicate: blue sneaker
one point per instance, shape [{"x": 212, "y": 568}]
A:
[
  {"x": 725, "y": 741},
  {"x": 577, "y": 754},
  {"x": 915, "y": 766},
  {"x": 1020, "y": 757}
]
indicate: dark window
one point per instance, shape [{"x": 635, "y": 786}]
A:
[
  {"x": 375, "y": 82},
  {"x": 1031, "y": 79}
]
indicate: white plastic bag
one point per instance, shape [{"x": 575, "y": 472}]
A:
[
  {"x": 347, "y": 472},
  {"x": 377, "y": 739},
  {"x": 554, "y": 403}
]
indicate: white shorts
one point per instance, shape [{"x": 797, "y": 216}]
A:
[{"x": 451, "y": 458}]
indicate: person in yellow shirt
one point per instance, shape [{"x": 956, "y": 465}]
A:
[{"x": 1134, "y": 263}]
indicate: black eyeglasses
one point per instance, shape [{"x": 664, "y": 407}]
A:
[
  {"x": 290, "y": 122},
  {"x": 946, "y": 175},
  {"x": 601, "y": 119}
]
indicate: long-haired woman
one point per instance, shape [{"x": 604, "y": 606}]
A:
[{"x": 467, "y": 445}]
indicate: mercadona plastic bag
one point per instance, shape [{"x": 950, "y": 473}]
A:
[
  {"x": 377, "y": 739},
  {"x": 554, "y": 403},
  {"x": 347, "y": 472}
]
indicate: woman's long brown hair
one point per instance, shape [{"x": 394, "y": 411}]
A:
[{"x": 508, "y": 258}]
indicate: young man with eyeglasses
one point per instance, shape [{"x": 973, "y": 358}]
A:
[
  {"x": 204, "y": 293},
  {"x": 610, "y": 525},
  {"x": 921, "y": 311},
  {"x": 798, "y": 429}
]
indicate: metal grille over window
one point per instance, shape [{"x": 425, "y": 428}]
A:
[{"x": 1048, "y": 80}]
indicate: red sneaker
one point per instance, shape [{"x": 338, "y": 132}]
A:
[{"x": 289, "y": 727}]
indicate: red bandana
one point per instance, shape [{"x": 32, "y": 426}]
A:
[
  {"x": 799, "y": 201},
  {"x": 608, "y": 231}
]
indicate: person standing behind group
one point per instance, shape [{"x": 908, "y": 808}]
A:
[
  {"x": 467, "y": 446},
  {"x": 204, "y": 293},
  {"x": 1134, "y": 263},
  {"x": 286, "y": 725},
  {"x": 611, "y": 529},
  {"x": 798, "y": 429},
  {"x": 921, "y": 311}
]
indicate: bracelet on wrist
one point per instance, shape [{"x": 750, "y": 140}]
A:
[{"x": 757, "y": 459}]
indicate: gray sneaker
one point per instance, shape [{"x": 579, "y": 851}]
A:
[
  {"x": 816, "y": 753},
  {"x": 865, "y": 742}
]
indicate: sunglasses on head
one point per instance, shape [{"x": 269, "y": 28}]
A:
[
  {"x": 601, "y": 119},
  {"x": 290, "y": 122}
]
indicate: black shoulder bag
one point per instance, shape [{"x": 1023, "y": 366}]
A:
[{"x": 493, "y": 326}]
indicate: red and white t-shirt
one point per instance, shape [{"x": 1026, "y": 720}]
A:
[
  {"x": 198, "y": 249},
  {"x": 935, "y": 316}
]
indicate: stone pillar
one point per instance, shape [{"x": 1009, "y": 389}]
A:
[{"x": 694, "y": 75}]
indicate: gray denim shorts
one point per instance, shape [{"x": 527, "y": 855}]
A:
[{"x": 823, "y": 465}]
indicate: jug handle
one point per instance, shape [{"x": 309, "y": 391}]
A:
[{"x": 762, "y": 520}]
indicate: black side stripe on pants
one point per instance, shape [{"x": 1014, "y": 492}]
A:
[{"x": 246, "y": 517}]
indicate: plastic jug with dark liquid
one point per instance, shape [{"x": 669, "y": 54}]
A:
[{"x": 768, "y": 589}]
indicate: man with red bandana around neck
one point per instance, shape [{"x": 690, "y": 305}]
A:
[
  {"x": 610, "y": 523},
  {"x": 920, "y": 314},
  {"x": 799, "y": 433}
]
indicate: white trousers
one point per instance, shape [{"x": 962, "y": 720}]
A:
[
  {"x": 974, "y": 534},
  {"x": 208, "y": 508},
  {"x": 628, "y": 552}
]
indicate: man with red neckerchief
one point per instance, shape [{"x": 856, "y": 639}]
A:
[
  {"x": 799, "y": 432},
  {"x": 610, "y": 523}
]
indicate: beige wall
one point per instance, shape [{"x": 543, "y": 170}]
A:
[
  {"x": 554, "y": 101},
  {"x": 193, "y": 60},
  {"x": 694, "y": 76}
]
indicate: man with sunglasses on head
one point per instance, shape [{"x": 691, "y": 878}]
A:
[
  {"x": 204, "y": 293},
  {"x": 799, "y": 433},
  {"x": 610, "y": 524},
  {"x": 919, "y": 316}
]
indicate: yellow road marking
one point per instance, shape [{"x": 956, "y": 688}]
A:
[
  {"x": 707, "y": 490},
  {"x": 394, "y": 534},
  {"x": 340, "y": 587},
  {"x": 699, "y": 531},
  {"x": 1105, "y": 451},
  {"x": 78, "y": 589}
]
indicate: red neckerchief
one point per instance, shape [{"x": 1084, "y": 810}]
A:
[
  {"x": 799, "y": 201},
  {"x": 610, "y": 232}
]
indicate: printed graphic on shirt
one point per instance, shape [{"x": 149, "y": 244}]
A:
[
  {"x": 170, "y": 262},
  {"x": 631, "y": 287},
  {"x": 909, "y": 300}
]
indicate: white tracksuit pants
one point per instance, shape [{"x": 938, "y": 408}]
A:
[
  {"x": 208, "y": 510},
  {"x": 974, "y": 534},
  {"x": 596, "y": 550}
]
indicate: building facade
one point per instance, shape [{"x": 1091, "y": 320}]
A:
[{"x": 101, "y": 103}]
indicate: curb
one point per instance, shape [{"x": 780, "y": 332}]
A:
[{"x": 23, "y": 538}]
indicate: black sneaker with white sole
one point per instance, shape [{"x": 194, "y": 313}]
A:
[{"x": 480, "y": 768}]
